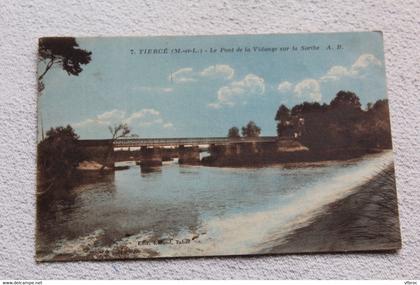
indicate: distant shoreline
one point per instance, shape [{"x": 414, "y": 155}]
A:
[{"x": 365, "y": 220}]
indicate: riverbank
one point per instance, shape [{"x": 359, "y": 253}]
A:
[
  {"x": 209, "y": 206},
  {"x": 271, "y": 158},
  {"x": 365, "y": 220}
]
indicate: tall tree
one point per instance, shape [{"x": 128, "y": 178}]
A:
[
  {"x": 233, "y": 133},
  {"x": 346, "y": 99},
  {"x": 283, "y": 117},
  {"x": 283, "y": 114},
  {"x": 63, "y": 52},
  {"x": 251, "y": 130}
]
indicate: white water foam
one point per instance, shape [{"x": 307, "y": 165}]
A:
[{"x": 254, "y": 232}]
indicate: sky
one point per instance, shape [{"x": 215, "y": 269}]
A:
[{"x": 205, "y": 93}]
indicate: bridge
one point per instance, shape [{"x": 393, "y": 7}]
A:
[
  {"x": 150, "y": 152},
  {"x": 161, "y": 142}
]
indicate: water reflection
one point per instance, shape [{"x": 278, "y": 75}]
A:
[
  {"x": 57, "y": 209},
  {"x": 146, "y": 170}
]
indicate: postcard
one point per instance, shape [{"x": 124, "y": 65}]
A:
[{"x": 182, "y": 146}]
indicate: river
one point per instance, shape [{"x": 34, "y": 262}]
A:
[{"x": 194, "y": 210}]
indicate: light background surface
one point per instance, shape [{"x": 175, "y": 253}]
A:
[{"x": 22, "y": 22}]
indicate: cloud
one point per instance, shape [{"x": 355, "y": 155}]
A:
[
  {"x": 182, "y": 75},
  {"x": 229, "y": 95},
  {"x": 168, "y": 125},
  {"x": 187, "y": 74},
  {"x": 285, "y": 86},
  {"x": 363, "y": 63},
  {"x": 144, "y": 113},
  {"x": 154, "y": 89},
  {"x": 104, "y": 119},
  {"x": 218, "y": 70},
  {"x": 143, "y": 118},
  {"x": 308, "y": 90},
  {"x": 157, "y": 121},
  {"x": 336, "y": 72}
]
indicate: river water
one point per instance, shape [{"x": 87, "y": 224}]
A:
[{"x": 194, "y": 210}]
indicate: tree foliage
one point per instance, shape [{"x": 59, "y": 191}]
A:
[
  {"x": 345, "y": 99},
  {"x": 308, "y": 107},
  {"x": 251, "y": 130},
  {"x": 283, "y": 117},
  {"x": 285, "y": 130},
  {"x": 63, "y": 52},
  {"x": 233, "y": 133},
  {"x": 341, "y": 124},
  {"x": 59, "y": 154},
  {"x": 283, "y": 113}
]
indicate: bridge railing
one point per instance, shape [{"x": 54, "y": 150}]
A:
[{"x": 188, "y": 141}]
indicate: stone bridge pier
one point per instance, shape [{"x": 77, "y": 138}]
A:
[
  {"x": 189, "y": 155},
  {"x": 151, "y": 158}
]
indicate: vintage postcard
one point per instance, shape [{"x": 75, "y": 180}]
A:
[{"x": 155, "y": 147}]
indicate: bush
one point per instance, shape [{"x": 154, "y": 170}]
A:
[{"x": 58, "y": 155}]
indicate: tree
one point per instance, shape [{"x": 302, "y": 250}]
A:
[
  {"x": 117, "y": 132},
  {"x": 58, "y": 155},
  {"x": 234, "y": 133},
  {"x": 381, "y": 105},
  {"x": 342, "y": 124},
  {"x": 64, "y": 52},
  {"x": 286, "y": 130},
  {"x": 378, "y": 125},
  {"x": 283, "y": 118},
  {"x": 283, "y": 114},
  {"x": 307, "y": 107},
  {"x": 251, "y": 130},
  {"x": 346, "y": 99}
]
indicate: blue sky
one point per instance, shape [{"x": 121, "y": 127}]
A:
[{"x": 189, "y": 95}]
